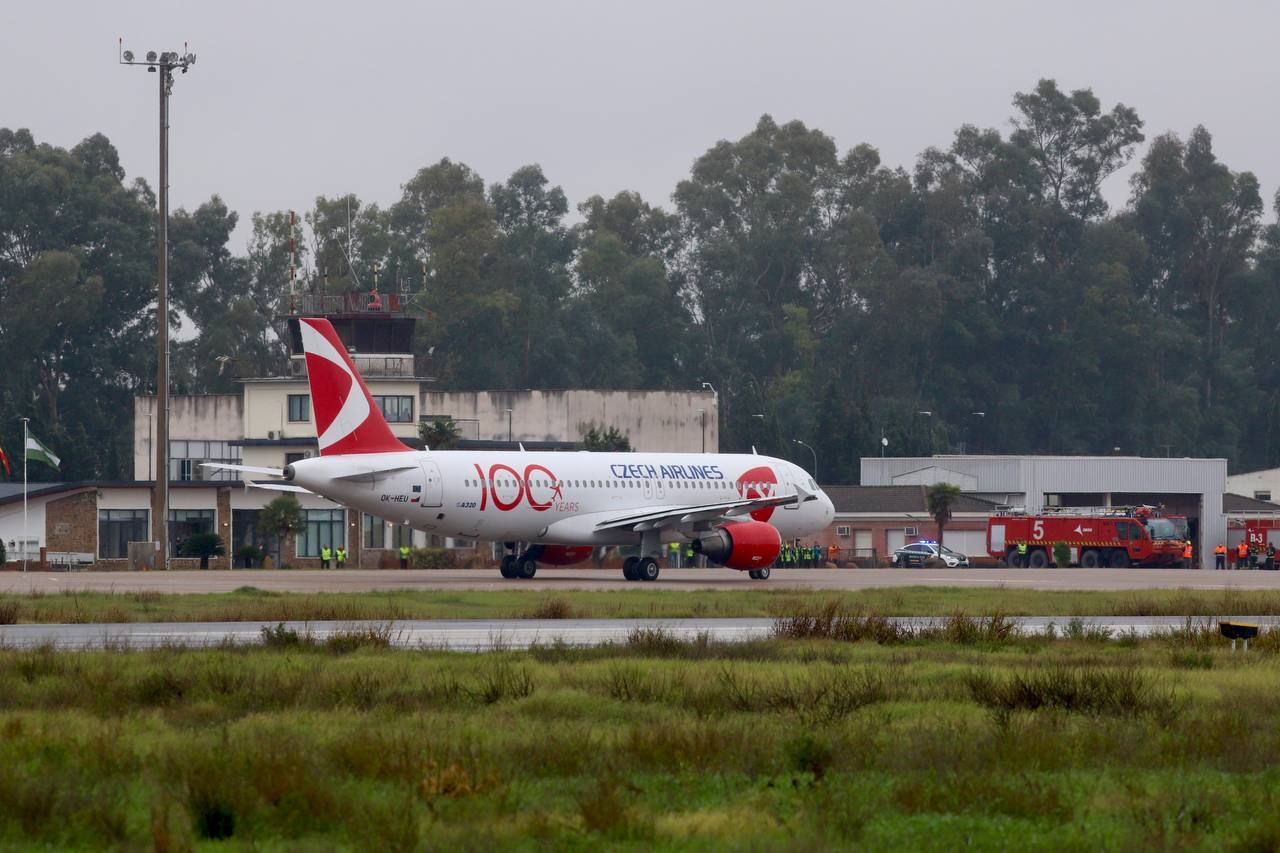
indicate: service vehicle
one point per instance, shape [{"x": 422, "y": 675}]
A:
[
  {"x": 917, "y": 553},
  {"x": 1115, "y": 537}
]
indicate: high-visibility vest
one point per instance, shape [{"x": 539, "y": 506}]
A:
[
  {"x": 404, "y": 551},
  {"x": 325, "y": 553},
  {"x": 1221, "y": 550},
  {"x": 1242, "y": 550},
  {"x": 1022, "y": 547},
  {"x": 342, "y": 554},
  {"x": 674, "y": 547},
  {"x": 1186, "y": 551}
]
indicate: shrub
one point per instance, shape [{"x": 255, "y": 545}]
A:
[
  {"x": 432, "y": 558},
  {"x": 1061, "y": 554}
]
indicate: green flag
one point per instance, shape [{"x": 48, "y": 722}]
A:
[{"x": 37, "y": 452}]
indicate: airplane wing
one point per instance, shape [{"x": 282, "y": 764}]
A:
[{"x": 686, "y": 514}]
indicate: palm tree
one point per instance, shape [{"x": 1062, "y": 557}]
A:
[
  {"x": 940, "y": 497},
  {"x": 204, "y": 546},
  {"x": 280, "y": 518},
  {"x": 439, "y": 433}
]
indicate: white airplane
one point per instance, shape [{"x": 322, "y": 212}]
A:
[{"x": 552, "y": 508}]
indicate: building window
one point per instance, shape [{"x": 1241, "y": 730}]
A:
[
  {"x": 185, "y": 456},
  {"x": 1262, "y": 496},
  {"x": 299, "y": 408},
  {"x": 117, "y": 528},
  {"x": 323, "y": 528},
  {"x": 396, "y": 409},
  {"x": 403, "y": 536},
  {"x": 842, "y": 530},
  {"x": 373, "y": 531},
  {"x": 185, "y": 523},
  {"x": 290, "y": 458}
]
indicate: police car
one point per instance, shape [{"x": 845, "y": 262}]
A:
[{"x": 917, "y": 553}]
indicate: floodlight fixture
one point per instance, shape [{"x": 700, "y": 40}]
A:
[
  {"x": 151, "y": 56},
  {"x": 128, "y": 56}
]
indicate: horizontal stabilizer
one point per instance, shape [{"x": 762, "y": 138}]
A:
[
  {"x": 371, "y": 475},
  {"x": 279, "y": 487},
  {"x": 247, "y": 469}
]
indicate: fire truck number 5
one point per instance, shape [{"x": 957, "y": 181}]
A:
[{"x": 1037, "y": 529}]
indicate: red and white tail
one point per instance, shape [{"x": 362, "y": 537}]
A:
[{"x": 347, "y": 421}]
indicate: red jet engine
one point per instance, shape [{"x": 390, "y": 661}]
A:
[{"x": 746, "y": 545}]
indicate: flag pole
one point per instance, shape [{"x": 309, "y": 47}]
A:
[{"x": 25, "y": 542}]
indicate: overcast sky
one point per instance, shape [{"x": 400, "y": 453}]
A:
[{"x": 290, "y": 100}]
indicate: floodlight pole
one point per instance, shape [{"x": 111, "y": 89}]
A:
[{"x": 164, "y": 63}]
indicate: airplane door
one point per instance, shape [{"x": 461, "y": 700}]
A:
[
  {"x": 433, "y": 486},
  {"x": 790, "y": 489}
]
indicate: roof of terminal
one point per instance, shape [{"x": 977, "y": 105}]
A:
[{"x": 897, "y": 499}]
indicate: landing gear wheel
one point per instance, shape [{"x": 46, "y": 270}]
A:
[
  {"x": 1119, "y": 559},
  {"x": 762, "y": 574},
  {"x": 508, "y": 566},
  {"x": 527, "y": 568},
  {"x": 1038, "y": 559},
  {"x": 754, "y": 575},
  {"x": 1090, "y": 559},
  {"x": 647, "y": 569},
  {"x": 629, "y": 568}
]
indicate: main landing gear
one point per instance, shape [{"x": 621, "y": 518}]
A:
[
  {"x": 759, "y": 574},
  {"x": 640, "y": 569},
  {"x": 523, "y": 566}
]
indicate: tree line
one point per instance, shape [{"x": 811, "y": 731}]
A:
[{"x": 987, "y": 299}]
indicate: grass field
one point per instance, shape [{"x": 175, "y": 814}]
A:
[
  {"x": 971, "y": 735},
  {"x": 251, "y": 604}
]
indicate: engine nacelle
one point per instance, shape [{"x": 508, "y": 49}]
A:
[
  {"x": 564, "y": 555},
  {"x": 745, "y": 545}
]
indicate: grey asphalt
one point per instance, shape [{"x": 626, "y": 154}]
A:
[
  {"x": 352, "y": 580},
  {"x": 489, "y": 634}
]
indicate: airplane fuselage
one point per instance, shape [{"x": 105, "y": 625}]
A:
[{"x": 558, "y": 498}]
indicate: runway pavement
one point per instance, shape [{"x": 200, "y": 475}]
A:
[
  {"x": 351, "y": 580},
  {"x": 488, "y": 634}
]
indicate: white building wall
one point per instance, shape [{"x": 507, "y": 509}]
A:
[
  {"x": 1254, "y": 484},
  {"x": 11, "y": 524},
  {"x": 1033, "y": 477},
  {"x": 203, "y": 417},
  {"x": 655, "y": 421}
]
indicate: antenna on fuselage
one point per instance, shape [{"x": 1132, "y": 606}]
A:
[{"x": 520, "y": 444}]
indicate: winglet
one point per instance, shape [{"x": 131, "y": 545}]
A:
[{"x": 347, "y": 421}]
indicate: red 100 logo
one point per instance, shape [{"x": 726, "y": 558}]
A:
[{"x": 524, "y": 487}]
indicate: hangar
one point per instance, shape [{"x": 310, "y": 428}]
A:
[{"x": 1190, "y": 487}]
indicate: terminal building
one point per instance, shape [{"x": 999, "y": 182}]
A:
[{"x": 269, "y": 424}]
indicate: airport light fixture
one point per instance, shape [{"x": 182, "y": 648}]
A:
[
  {"x": 163, "y": 64},
  {"x": 811, "y": 450}
]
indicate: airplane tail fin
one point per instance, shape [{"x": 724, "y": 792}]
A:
[{"x": 347, "y": 421}]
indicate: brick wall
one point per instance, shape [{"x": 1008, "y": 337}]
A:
[{"x": 71, "y": 523}]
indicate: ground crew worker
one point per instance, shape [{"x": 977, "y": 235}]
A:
[
  {"x": 1242, "y": 554},
  {"x": 1022, "y": 555},
  {"x": 1271, "y": 557},
  {"x": 404, "y": 556},
  {"x": 808, "y": 556},
  {"x": 1220, "y": 556},
  {"x": 834, "y": 553},
  {"x": 819, "y": 557},
  {"x": 688, "y": 554},
  {"x": 326, "y": 554},
  {"x": 1186, "y": 554},
  {"x": 673, "y": 555},
  {"x": 341, "y": 554}
]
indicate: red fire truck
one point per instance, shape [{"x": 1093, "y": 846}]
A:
[{"x": 1097, "y": 536}]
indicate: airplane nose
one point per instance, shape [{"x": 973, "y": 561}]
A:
[{"x": 828, "y": 509}]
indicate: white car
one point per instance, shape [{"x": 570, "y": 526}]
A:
[{"x": 917, "y": 553}]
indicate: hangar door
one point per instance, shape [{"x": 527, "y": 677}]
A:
[{"x": 972, "y": 543}]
